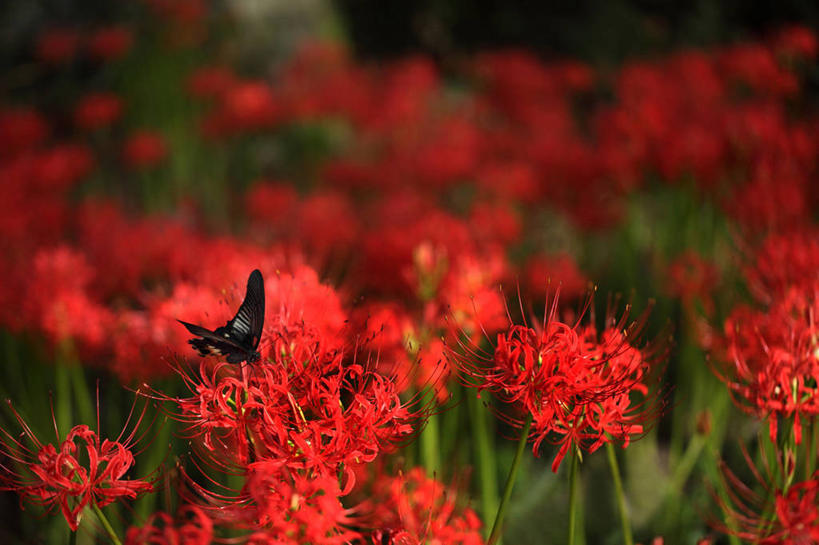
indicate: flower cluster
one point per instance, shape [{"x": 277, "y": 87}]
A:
[
  {"x": 82, "y": 470},
  {"x": 308, "y": 407},
  {"x": 786, "y": 515},
  {"x": 577, "y": 385},
  {"x": 775, "y": 363}
]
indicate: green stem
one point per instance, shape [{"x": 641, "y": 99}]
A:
[
  {"x": 82, "y": 396},
  {"x": 722, "y": 491},
  {"x": 62, "y": 379},
  {"x": 510, "y": 482},
  {"x": 573, "y": 498},
  {"x": 430, "y": 449},
  {"x": 105, "y": 524},
  {"x": 686, "y": 465},
  {"x": 485, "y": 458},
  {"x": 628, "y": 538},
  {"x": 810, "y": 454}
]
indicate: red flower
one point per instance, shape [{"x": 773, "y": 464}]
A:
[
  {"x": 60, "y": 167},
  {"x": 57, "y": 300},
  {"x": 773, "y": 359},
  {"x": 144, "y": 149},
  {"x": 210, "y": 81},
  {"x": 191, "y": 527},
  {"x": 692, "y": 279},
  {"x": 495, "y": 224},
  {"x": 271, "y": 207},
  {"x": 796, "y": 41},
  {"x": 247, "y": 105},
  {"x": 309, "y": 404},
  {"x": 97, "y": 110},
  {"x": 413, "y": 508},
  {"x": 110, "y": 43},
  {"x": 796, "y": 508},
  {"x": 782, "y": 261},
  {"x": 285, "y": 507},
  {"x": 81, "y": 470},
  {"x": 326, "y": 224},
  {"x": 21, "y": 130},
  {"x": 577, "y": 385},
  {"x": 57, "y": 45},
  {"x": 556, "y": 270}
]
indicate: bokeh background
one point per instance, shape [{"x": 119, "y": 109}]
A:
[{"x": 648, "y": 148}]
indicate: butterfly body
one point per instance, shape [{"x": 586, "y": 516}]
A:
[{"x": 237, "y": 340}]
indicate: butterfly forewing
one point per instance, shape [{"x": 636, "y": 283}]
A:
[
  {"x": 238, "y": 339},
  {"x": 246, "y": 326}
]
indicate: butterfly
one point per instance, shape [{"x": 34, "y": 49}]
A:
[{"x": 238, "y": 339}]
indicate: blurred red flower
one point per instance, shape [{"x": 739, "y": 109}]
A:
[
  {"x": 61, "y": 167},
  {"x": 693, "y": 279},
  {"x": 21, "y": 129},
  {"x": 192, "y": 526},
  {"x": 144, "y": 149},
  {"x": 748, "y": 514},
  {"x": 97, "y": 110},
  {"x": 773, "y": 359},
  {"x": 413, "y": 508},
  {"x": 557, "y": 270},
  {"x": 796, "y": 41},
  {"x": 57, "y": 45},
  {"x": 210, "y": 81},
  {"x": 110, "y": 43}
]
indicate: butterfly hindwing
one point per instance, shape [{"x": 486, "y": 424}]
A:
[
  {"x": 209, "y": 343},
  {"x": 238, "y": 339}
]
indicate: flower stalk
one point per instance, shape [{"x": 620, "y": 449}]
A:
[
  {"x": 105, "y": 524},
  {"x": 510, "y": 482},
  {"x": 485, "y": 457},
  {"x": 573, "y": 497},
  {"x": 628, "y": 538}
]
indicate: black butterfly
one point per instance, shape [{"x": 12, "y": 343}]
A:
[{"x": 238, "y": 339}]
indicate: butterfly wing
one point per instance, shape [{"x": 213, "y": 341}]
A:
[
  {"x": 209, "y": 343},
  {"x": 238, "y": 339},
  {"x": 246, "y": 327}
]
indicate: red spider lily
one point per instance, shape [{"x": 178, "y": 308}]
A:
[
  {"x": 783, "y": 261},
  {"x": 144, "y": 149},
  {"x": 244, "y": 106},
  {"x": 210, "y": 81},
  {"x": 79, "y": 471},
  {"x": 61, "y": 167},
  {"x": 576, "y": 383},
  {"x": 21, "y": 130},
  {"x": 110, "y": 43},
  {"x": 795, "y": 517},
  {"x": 57, "y": 300},
  {"x": 271, "y": 207},
  {"x": 306, "y": 405},
  {"x": 57, "y": 45},
  {"x": 97, "y": 111},
  {"x": 192, "y": 527},
  {"x": 773, "y": 360},
  {"x": 692, "y": 279},
  {"x": 326, "y": 224},
  {"x": 557, "y": 270},
  {"x": 755, "y": 66},
  {"x": 413, "y": 508},
  {"x": 281, "y": 506},
  {"x": 796, "y": 42}
]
